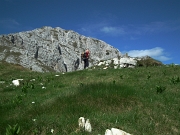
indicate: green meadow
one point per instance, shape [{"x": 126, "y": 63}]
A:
[{"x": 140, "y": 101}]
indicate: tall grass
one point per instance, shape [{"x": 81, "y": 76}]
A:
[{"x": 128, "y": 99}]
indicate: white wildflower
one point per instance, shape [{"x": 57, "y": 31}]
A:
[
  {"x": 52, "y": 131},
  {"x": 34, "y": 119}
]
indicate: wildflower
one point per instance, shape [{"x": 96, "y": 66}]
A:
[
  {"x": 52, "y": 131},
  {"x": 32, "y": 80},
  {"x": 2, "y": 81},
  {"x": 43, "y": 87},
  {"x": 33, "y": 102},
  {"x": 34, "y": 119},
  {"x": 56, "y": 75}
]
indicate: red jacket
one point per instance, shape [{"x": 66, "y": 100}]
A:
[{"x": 87, "y": 54}]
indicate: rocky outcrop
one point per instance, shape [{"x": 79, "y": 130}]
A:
[
  {"x": 126, "y": 61},
  {"x": 53, "y": 49},
  {"x": 121, "y": 62}
]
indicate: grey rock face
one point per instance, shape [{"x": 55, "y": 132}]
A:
[{"x": 53, "y": 49}]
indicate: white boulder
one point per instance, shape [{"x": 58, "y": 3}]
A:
[
  {"x": 101, "y": 63},
  {"x": 88, "y": 127},
  {"x": 129, "y": 61},
  {"x": 115, "y": 131},
  {"x": 123, "y": 62},
  {"x": 116, "y": 61},
  {"x": 116, "y": 66},
  {"x": 81, "y": 122},
  {"x": 16, "y": 82},
  {"x": 108, "y": 132}
]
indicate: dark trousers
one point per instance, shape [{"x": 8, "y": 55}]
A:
[{"x": 86, "y": 63}]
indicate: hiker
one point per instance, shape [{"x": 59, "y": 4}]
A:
[{"x": 85, "y": 58}]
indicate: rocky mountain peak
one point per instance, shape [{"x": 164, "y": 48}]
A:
[{"x": 46, "y": 49}]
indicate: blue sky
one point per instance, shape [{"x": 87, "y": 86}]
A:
[{"x": 136, "y": 27}]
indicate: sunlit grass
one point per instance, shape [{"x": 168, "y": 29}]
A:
[{"x": 141, "y": 101}]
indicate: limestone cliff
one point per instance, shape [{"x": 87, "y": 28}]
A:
[{"x": 53, "y": 49}]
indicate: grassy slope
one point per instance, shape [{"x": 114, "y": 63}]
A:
[{"x": 123, "y": 98}]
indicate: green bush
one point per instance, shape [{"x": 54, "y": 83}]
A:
[{"x": 148, "y": 62}]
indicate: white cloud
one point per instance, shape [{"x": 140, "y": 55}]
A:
[
  {"x": 8, "y": 0},
  {"x": 133, "y": 38},
  {"x": 108, "y": 29},
  {"x": 163, "y": 58},
  {"x": 158, "y": 27},
  {"x": 129, "y": 30},
  {"x": 9, "y": 23},
  {"x": 113, "y": 30},
  {"x": 156, "y": 53},
  {"x": 137, "y": 30},
  {"x": 150, "y": 52}
]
